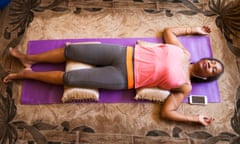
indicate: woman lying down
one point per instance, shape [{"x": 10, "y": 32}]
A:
[{"x": 166, "y": 66}]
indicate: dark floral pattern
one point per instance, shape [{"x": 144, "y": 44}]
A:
[
  {"x": 22, "y": 14},
  {"x": 8, "y": 110},
  {"x": 228, "y": 20}
]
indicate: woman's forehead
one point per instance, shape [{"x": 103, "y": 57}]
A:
[{"x": 218, "y": 65}]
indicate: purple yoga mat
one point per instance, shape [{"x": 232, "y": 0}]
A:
[{"x": 35, "y": 92}]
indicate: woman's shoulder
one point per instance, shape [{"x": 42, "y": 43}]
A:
[{"x": 184, "y": 88}]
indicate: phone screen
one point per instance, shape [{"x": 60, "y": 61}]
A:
[
  {"x": 199, "y": 99},
  {"x": 193, "y": 99}
]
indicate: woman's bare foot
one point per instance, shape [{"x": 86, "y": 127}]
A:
[
  {"x": 22, "y": 57},
  {"x": 16, "y": 76}
]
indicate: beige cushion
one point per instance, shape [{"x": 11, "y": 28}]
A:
[
  {"x": 75, "y": 43},
  {"x": 72, "y": 94},
  {"x": 152, "y": 94},
  {"x": 147, "y": 44}
]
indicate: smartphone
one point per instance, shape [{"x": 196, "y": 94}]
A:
[{"x": 198, "y": 99}]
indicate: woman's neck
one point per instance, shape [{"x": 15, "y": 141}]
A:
[{"x": 191, "y": 70}]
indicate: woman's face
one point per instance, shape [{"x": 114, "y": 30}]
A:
[{"x": 208, "y": 68}]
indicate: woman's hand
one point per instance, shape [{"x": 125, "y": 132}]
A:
[
  {"x": 204, "y": 30},
  {"x": 204, "y": 120}
]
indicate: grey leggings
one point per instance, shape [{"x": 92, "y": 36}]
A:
[{"x": 110, "y": 61}]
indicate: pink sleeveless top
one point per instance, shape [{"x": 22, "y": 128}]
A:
[{"x": 159, "y": 66}]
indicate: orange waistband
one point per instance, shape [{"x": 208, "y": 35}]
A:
[{"x": 129, "y": 63}]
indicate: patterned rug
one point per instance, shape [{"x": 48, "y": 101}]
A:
[{"x": 136, "y": 123}]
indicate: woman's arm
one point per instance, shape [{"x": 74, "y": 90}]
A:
[
  {"x": 172, "y": 103},
  {"x": 170, "y": 34}
]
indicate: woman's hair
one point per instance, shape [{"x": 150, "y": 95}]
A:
[{"x": 208, "y": 79}]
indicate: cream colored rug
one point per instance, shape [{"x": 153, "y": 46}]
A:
[{"x": 112, "y": 123}]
